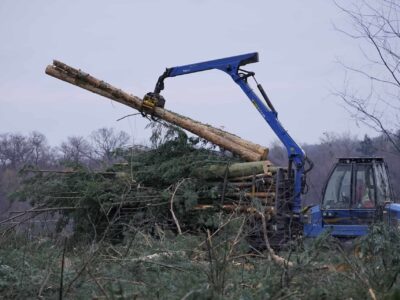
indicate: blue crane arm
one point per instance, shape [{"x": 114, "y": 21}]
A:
[
  {"x": 228, "y": 64},
  {"x": 231, "y": 66}
]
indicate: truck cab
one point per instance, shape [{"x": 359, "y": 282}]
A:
[{"x": 357, "y": 193}]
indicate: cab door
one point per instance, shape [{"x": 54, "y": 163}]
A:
[
  {"x": 337, "y": 199},
  {"x": 364, "y": 195}
]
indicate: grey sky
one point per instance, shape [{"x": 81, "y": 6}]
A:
[{"x": 129, "y": 43}]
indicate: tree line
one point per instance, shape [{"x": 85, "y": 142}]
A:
[
  {"x": 99, "y": 150},
  {"x": 33, "y": 149}
]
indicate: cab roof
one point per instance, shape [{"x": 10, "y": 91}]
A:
[{"x": 359, "y": 160}]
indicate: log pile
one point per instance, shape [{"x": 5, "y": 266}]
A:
[
  {"x": 251, "y": 187},
  {"x": 247, "y": 150}
]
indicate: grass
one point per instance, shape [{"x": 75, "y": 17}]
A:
[{"x": 166, "y": 266}]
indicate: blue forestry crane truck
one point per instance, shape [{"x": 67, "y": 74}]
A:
[{"x": 357, "y": 193}]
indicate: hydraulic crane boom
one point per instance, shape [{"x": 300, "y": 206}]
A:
[{"x": 232, "y": 66}]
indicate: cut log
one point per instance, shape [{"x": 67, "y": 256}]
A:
[
  {"x": 234, "y": 170},
  {"x": 267, "y": 175},
  {"x": 263, "y": 151},
  {"x": 245, "y": 149},
  {"x": 238, "y": 208},
  {"x": 248, "y": 184},
  {"x": 253, "y": 195}
]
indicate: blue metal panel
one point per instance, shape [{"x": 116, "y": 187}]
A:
[
  {"x": 313, "y": 227},
  {"x": 337, "y": 216},
  {"x": 223, "y": 64},
  {"x": 394, "y": 207},
  {"x": 364, "y": 215},
  {"x": 347, "y": 230},
  {"x": 393, "y": 213},
  {"x": 359, "y": 225},
  {"x": 339, "y": 223}
]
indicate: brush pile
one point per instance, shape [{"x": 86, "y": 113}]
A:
[{"x": 177, "y": 186}]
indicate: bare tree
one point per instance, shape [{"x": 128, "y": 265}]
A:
[
  {"x": 76, "y": 150},
  {"x": 106, "y": 142},
  {"x": 14, "y": 150},
  {"x": 41, "y": 152},
  {"x": 376, "y": 28},
  {"x": 17, "y": 150}
]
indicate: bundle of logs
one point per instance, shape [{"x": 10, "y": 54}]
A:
[
  {"x": 257, "y": 189},
  {"x": 247, "y": 150},
  {"x": 238, "y": 185}
]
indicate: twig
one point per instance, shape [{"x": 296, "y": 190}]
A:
[
  {"x": 47, "y": 209},
  {"x": 130, "y": 115},
  {"x": 219, "y": 228},
  {"x": 122, "y": 279},
  {"x": 210, "y": 256},
  {"x": 69, "y": 172},
  {"x": 288, "y": 295},
  {"x": 80, "y": 272},
  {"x": 225, "y": 183},
  {"x": 62, "y": 270},
  {"x": 236, "y": 240},
  {"x": 21, "y": 214},
  {"x": 150, "y": 257},
  {"x": 46, "y": 279},
  {"x": 276, "y": 258},
  {"x": 365, "y": 280},
  {"x": 15, "y": 224},
  {"x": 89, "y": 260},
  {"x": 186, "y": 296},
  {"x": 164, "y": 265},
  {"x": 97, "y": 283},
  {"x": 172, "y": 206}
]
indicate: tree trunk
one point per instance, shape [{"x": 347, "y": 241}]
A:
[
  {"x": 245, "y": 149},
  {"x": 214, "y": 171}
]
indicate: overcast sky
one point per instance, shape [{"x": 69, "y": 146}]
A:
[{"x": 129, "y": 44}]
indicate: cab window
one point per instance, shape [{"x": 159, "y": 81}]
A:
[
  {"x": 382, "y": 184},
  {"x": 338, "y": 190},
  {"x": 364, "y": 194}
]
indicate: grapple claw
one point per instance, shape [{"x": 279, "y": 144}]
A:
[{"x": 150, "y": 102}]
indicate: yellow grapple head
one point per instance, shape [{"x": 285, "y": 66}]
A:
[{"x": 151, "y": 101}]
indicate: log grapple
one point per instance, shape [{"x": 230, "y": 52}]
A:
[{"x": 150, "y": 102}]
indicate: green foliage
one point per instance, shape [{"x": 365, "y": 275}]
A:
[
  {"x": 202, "y": 266},
  {"x": 23, "y": 266},
  {"x": 379, "y": 256},
  {"x": 104, "y": 203},
  {"x": 130, "y": 203},
  {"x": 171, "y": 161}
]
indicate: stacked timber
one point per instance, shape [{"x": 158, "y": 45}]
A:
[
  {"x": 247, "y": 150},
  {"x": 258, "y": 190},
  {"x": 251, "y": 187}
]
